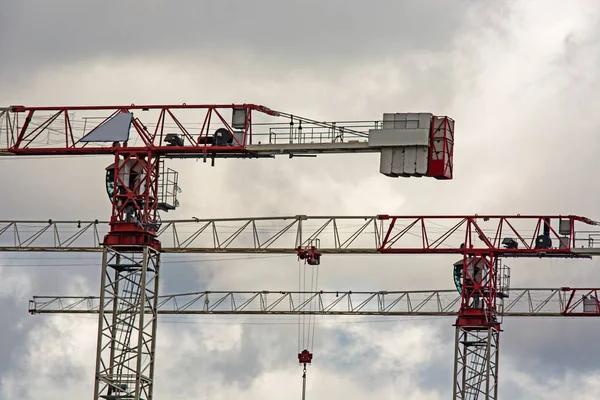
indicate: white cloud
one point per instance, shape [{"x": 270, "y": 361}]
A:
[{"x": 14, "y": 285}]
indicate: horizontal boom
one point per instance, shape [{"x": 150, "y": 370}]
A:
[
  {"x": 539, "y": 302},
  {"x": 411, "y": 144},
  {"x": 504, "y": 236}
]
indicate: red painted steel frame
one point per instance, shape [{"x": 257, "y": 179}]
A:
[
  {"x": 310, "y": 254},
  {"x": 23, "y": 141},
  {"x": 479, "y": 293},
  {"x": 480, "y": 234},
  {"x": 571, "y": 302},
  {"x": 482, "y": 244},
  {"x": 134, "y": 220},
  {"x": 441, "y": 147}
]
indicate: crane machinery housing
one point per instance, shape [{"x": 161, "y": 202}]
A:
[{"x": 140, "y": 186}]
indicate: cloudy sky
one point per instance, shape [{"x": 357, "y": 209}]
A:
[{"x": 519, "y": 78}]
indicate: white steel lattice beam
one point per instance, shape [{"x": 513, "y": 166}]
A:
[{"x": 540, "y": 302}]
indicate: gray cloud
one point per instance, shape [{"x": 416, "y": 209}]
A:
[
  {"x": 40, "y": 34},
  {"x": 552, "y": 348},
  {"x": 14, "y": 334}
]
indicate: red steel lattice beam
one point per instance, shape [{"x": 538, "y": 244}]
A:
[
  {"x": 506, "y": 236},
  {"x": 31, "y": 128}
]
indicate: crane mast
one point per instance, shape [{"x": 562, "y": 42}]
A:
[{"x": 140, "y": 186}]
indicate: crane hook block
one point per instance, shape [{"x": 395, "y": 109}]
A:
[
  {"x": 305, "y": 357},
  {"x": 311, "y": 255}
]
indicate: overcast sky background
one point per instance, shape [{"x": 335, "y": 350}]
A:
[{"x": 519, "y": 78}]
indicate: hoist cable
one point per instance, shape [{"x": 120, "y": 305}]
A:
[
  {"x": 314, "y": 316},
  {"x": 306, "y": 339},
  {"x": 303, "y": 301},
  {"x": 311, "y": 304},
  {"x": 299, "y": 302}
]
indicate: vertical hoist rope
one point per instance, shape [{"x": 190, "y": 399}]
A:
[
  {"x": 309, "y": 302},
  {"x": 315, "y": 276},
  {"x": 307, "y": 320},
  {"x": 299, "y": 302},
  {"x": 305, "y": 337}
]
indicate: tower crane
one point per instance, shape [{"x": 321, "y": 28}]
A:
[
  {"x": 139, "y": 185},
  {"x": 493, "y": 237}
]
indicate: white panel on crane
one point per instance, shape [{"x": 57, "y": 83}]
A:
[
  {"x": 422, "y": 160},
  {"x": 404, "y": 161},
  {"x": 406, "y": 121},
  {"x": 590, "y": 304},
  {"x": 392, "y": 162},
  {"x": 404, "y": 141},
  {"x": 398, "y": 161},
  {"x": 238, "y": 118},
  {"x": 564, "y": 226},
  {"x": 385, "y": 162},
  {"x": 411, "y": 120},
  {"x": 410, "y": 160},
  {"x": 116, "y": 129},
  {"x": 398, "y": 137},
  {"x": 388, "y": 120},
  {"x": 402, "y": 129}
]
